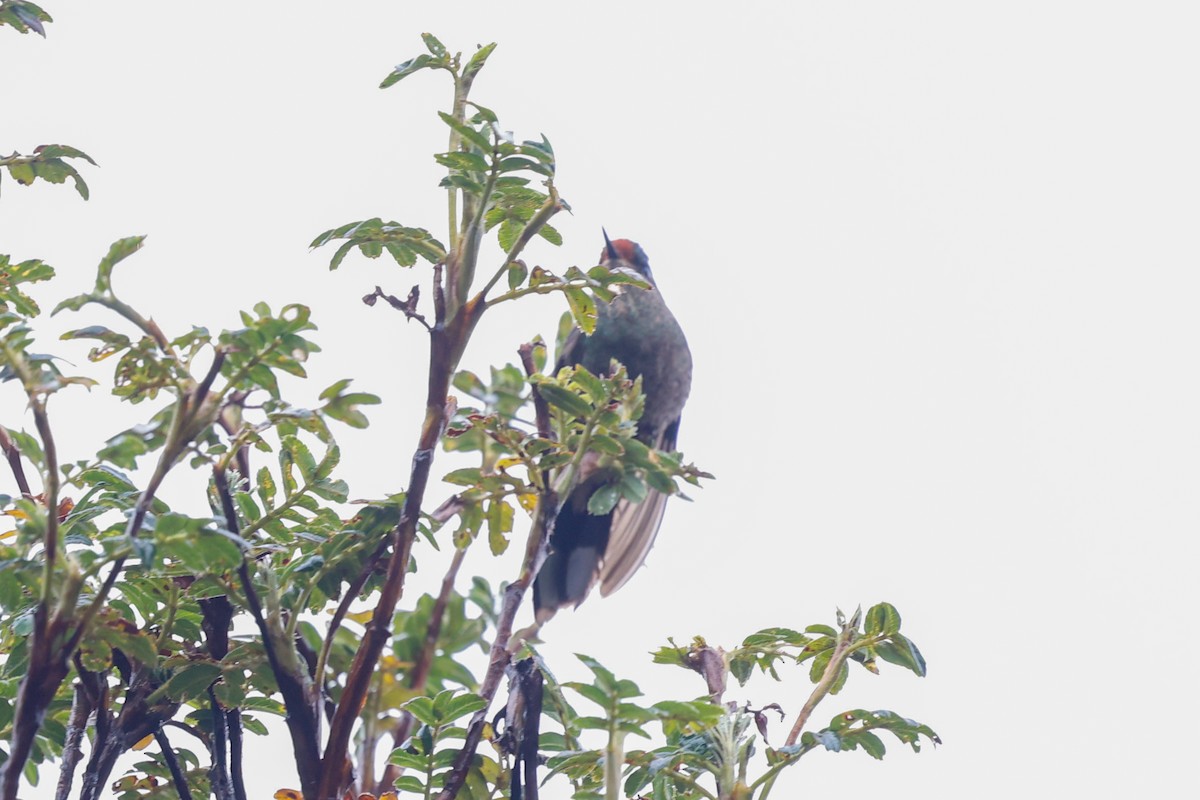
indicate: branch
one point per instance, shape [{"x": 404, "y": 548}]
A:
[
  {"x": 81, "y": 708},
  {"x": 535, "y": 553},
  {"x": 219, "y": 773},
  {"x": 540, "y": 408},
  {"x": 148, "y": 326},
  {"x": 50, "y": 489},
  {"x": 552, "y": 206},
  {"x": 419, "y": 675},
  {"x": 177, "y": 776},
  {"x": 300, "y": 721},
  {"x": 446, "y": 344},
  {"x": 841, "y": 652},
  {"x": 407, "y": 306},
  {"x": 233, "y": 718},
  {"x": 13, "y": 453},
  {"x": 335, "y": 622}
]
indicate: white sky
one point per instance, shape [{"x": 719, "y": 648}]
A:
[{"x": 936, "y": 262}]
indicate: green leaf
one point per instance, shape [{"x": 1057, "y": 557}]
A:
[
  {"x": 632, "y": 488},
  {"x": 517, "y": 272},
  {"x": 467, "y": 476},
  {"x": 551, "y": 235},
  {"x": 500, "y": 524},
  {"x": 11, "y": 275},
  {"x": 435, "y": 47},
  {"x": 882, "y": 618},
  {"x": 604, "y": 499},
  {"x": 422, "y": 710},
  {"x": 467, "y": 132},
  {"x": 459, "y": 705},
  {"x": 478, "y": 60},
  {"x": 583, "y": 308},
  {"x": 901, "y": 651},
  {"x": 564, "y": 399},
  {"x": 192, "y": 680},
  {"x": 869, "y": 742},
  {"x": 117, "y": 252},
  {"x": 467, "y": 162},
  {"x": 402, "y": 71}
]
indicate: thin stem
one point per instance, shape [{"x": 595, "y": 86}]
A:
[
  {"x": 693, "y": 784},
  {"x": 81, "y": 708},
  {"x": 237, "y": 759},
  {"x": 499, "y": 657},
  {"x": 148, "y": 326},
  {"x": 183, "y": 726},
  {"x": 841, "y": 652},
  {"x": 164, "y": 632},
  {"x": 419, "y": 675},
  {"x": 13, "y": 454},
  {"x": 131, "y": 531},
  {"x": 300, "y": 718},
  {"x": 549, "y": 208},
  {"x": 335, "y": 622},
  {"x": 219, "y": 774},
  {"x": 50, "y": 487},
  {"x": 178, "y": 778},
  {"x": 614, "y": 758},
  {"x": 541, "y": 409},
  {"x": 457, "y": 110},
  {"x": 446, "y": 345}
]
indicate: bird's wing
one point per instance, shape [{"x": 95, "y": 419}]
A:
[{"x": 634, "y": 526}]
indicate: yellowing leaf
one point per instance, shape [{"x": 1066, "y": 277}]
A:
[
  {"x": 144, "y": 742},
  {"x": 287, "y": 794}
]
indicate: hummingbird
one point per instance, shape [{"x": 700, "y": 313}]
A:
[{"x": 637, "y": 329}]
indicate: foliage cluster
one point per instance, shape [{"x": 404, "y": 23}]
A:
[{"x": 118, "y": 612}]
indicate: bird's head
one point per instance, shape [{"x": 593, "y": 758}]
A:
[{"x": 624, "y": 253}]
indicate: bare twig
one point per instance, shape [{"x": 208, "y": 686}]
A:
[{"x": 408, "y": 306}]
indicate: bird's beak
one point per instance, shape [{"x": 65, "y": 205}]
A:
[{"x": 608, "y": 247}]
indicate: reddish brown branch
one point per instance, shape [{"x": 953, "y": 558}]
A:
[{"x": 446, "y": 346}]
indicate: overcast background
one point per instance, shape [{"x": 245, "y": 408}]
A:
[{"x": 936, "y": 262}]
